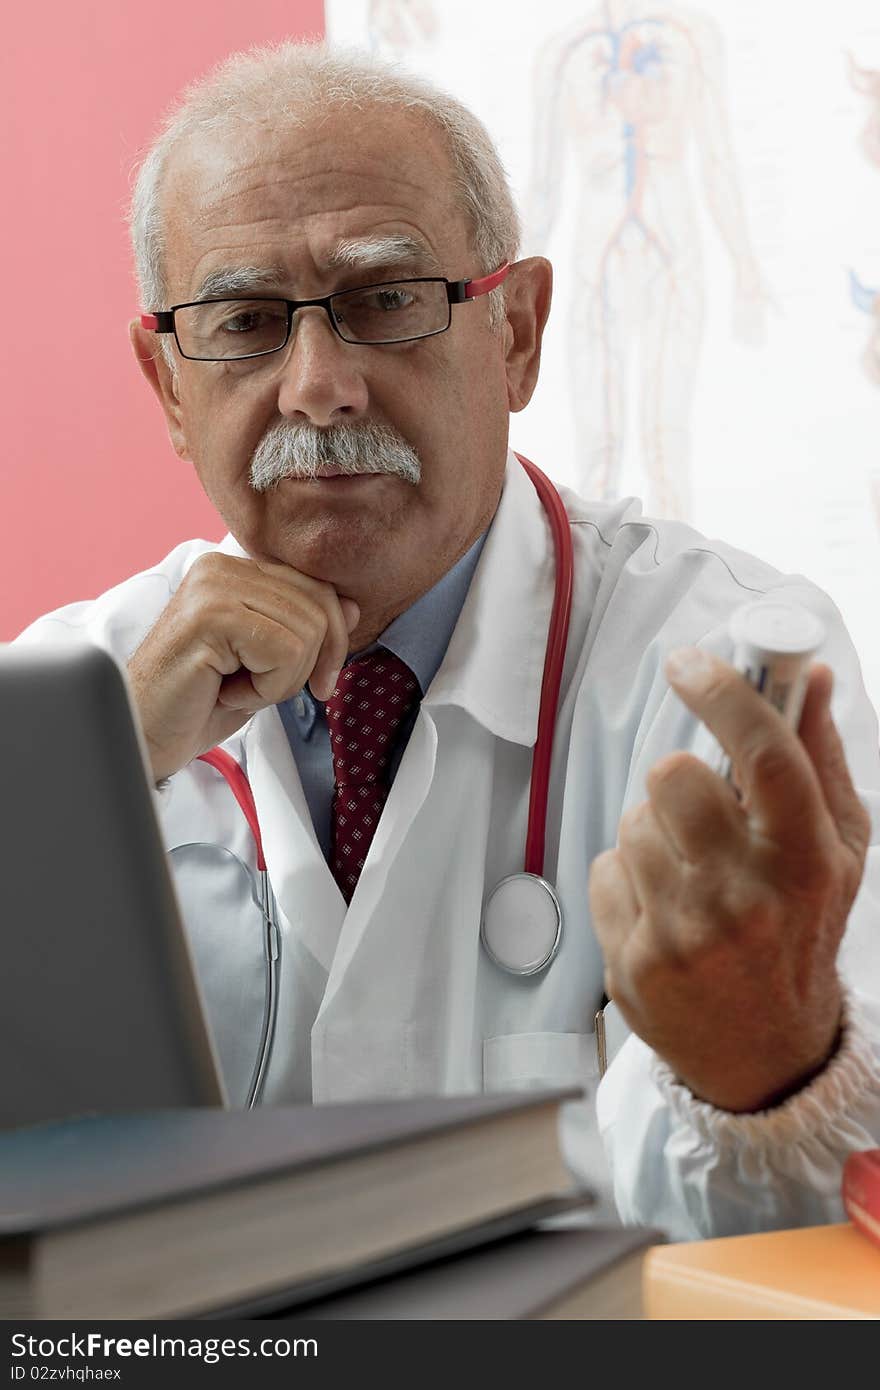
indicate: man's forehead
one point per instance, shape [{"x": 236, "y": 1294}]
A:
[
  {"x": 261, "y": 185},
  {"x": 377, "y": 142}
]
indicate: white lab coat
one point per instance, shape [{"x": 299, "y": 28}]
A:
[{"x": 394, "y": 996}]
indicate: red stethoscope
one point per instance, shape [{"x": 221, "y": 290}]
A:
[{"x": 521, "y": 925}]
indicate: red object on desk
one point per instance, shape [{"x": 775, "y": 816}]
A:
[{"x": 861, "y": 1192}]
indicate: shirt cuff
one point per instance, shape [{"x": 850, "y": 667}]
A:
[{"x": 831, "y": 1098}]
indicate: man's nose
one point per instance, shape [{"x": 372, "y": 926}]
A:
[{"x": 321, "y": 376}]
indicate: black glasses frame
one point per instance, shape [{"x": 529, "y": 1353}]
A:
[{"x": 457, "y": 292}]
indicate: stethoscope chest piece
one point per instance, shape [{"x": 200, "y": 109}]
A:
[{"x": 522, "y": 924}]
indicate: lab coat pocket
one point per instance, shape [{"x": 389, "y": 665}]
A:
[{"x": 520, "y": 1061}]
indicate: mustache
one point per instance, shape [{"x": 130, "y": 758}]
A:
[{"x": 291, "y": 450}]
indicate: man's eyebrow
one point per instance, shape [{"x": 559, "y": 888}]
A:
[
  {"x": 365, "y": 253},
  {"x": 358, "y": 253},
  {"x": 244, "y": 279}
]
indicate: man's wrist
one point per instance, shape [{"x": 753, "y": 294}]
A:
[{"x": 841, "y": 1101}]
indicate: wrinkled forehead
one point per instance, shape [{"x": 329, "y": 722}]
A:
[{"x": 348, "y": 175}]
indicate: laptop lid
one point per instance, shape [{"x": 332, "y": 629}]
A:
[{"x": 100, "y": 1008}]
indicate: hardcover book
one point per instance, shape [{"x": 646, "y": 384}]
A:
[{"x": 175, "y": 1213}]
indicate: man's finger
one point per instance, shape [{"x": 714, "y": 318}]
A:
[
  {"x": 274, "y": 663},
  {"x": 649, "y": 856},
  {"x": 694, "y": 808},
  {"x": 613, "y": 902},
  {"x": 295, "y": 592},
  {"x": 823, "y": 743},
  {"x": 773, "y": 768}
]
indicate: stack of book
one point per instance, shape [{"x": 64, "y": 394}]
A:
[{"x": 210, "y": 1213}]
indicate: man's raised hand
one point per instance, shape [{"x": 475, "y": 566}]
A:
[{"x": 720, "y": 918}]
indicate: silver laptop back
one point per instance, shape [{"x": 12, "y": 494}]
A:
[{"x": 99, "y": 1005}]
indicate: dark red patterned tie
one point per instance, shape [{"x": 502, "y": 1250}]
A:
[{"x": 364, "y": 716}]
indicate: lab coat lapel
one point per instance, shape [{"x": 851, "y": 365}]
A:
[{"x": 408, "y": 792}]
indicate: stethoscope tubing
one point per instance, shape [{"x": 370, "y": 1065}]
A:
[
  {"x": 270, "y": 1008},
  {"x": 240, "y": 787},
  {"x": 554, "y": 662}
]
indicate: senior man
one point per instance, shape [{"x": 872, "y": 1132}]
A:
[{"x": 337, "y": 328}]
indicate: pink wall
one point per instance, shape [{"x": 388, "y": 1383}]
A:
[{"x": 90, "y": 489}]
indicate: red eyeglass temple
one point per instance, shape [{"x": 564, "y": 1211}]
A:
[{"x": 488, "y": 282}]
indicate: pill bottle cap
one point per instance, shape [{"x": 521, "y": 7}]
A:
[{"x": 775, "y": 625}]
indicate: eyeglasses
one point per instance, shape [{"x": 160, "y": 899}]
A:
[{"x": 398, "y": 311}]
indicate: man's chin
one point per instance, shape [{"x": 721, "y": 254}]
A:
[{"x": 342, "y": 516}]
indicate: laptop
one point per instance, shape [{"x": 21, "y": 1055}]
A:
[{"x": 100, "y": 1008}]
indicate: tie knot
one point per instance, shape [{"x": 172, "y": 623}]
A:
[{"x": 372, "y": 699}]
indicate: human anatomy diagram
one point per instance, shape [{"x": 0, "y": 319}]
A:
[
  {"x": 863, "y": 297},
  {"x": 632, "y": 98}
]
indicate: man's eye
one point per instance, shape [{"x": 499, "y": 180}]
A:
[
  {"x": 396, "y": 298},
  {"x": 248, "y": 322}
]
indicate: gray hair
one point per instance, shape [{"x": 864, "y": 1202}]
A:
[{"x": 289, "y": 83}]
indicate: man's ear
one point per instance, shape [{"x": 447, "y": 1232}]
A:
[
  {"x": 529, "y": 291},
  {"x": 164, "y": 381}
]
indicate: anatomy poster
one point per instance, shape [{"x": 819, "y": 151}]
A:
[{"x": 706, "y": 181}]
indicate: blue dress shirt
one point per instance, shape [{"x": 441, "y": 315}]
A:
[{"x": 419, "y": 636}]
